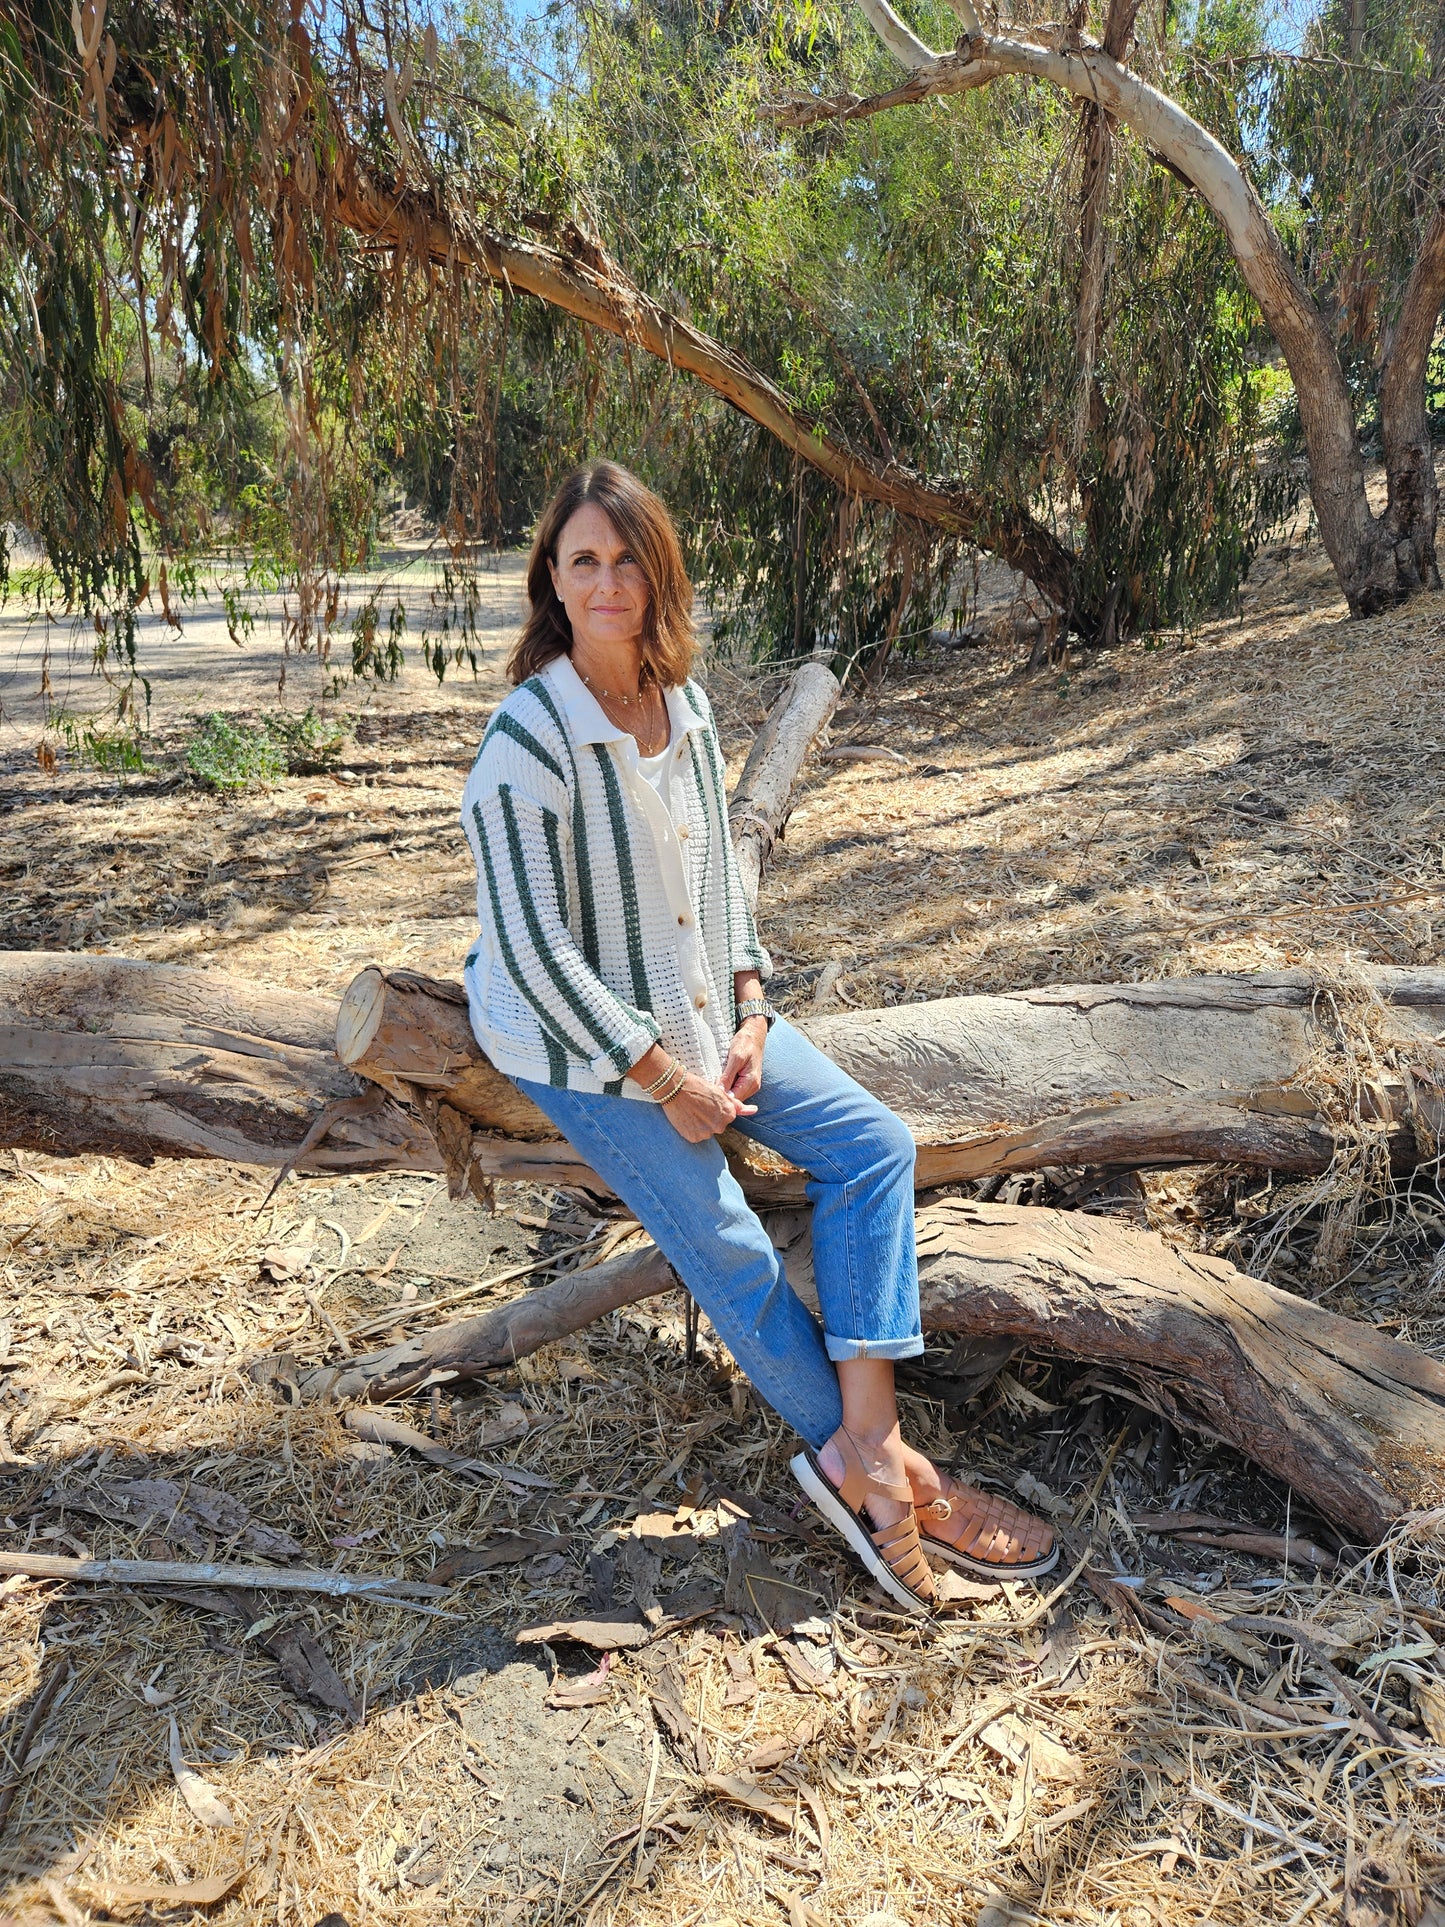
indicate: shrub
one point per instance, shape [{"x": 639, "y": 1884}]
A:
[
  {"x": 312, "y": 744},
  {"x": 117, "y": 752},
  {"x": 228, "y": 756}
]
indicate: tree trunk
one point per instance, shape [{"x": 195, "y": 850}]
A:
[
  {"x": 762, "y": 800},
  {"x": 1412, "y": 497},
  {"x": 1354, "y": 1421},
  {"x": 147, "y": 1060},
  {"x": 1359, "y": 546}
]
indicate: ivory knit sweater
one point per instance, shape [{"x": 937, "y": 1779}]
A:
[{"x": 611, "y": 917}]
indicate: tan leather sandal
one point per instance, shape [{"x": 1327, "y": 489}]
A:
[
  {"x": 892, "y": 1554},
  {"x": 986, "y": 1534}
]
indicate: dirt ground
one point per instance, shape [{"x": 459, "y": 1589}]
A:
[{"x": 783, "y": 1749}]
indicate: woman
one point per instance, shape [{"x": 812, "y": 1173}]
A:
[{"x": 618, "y": 981}]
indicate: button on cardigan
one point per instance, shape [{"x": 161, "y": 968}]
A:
[{"x": 611, "y": 916}]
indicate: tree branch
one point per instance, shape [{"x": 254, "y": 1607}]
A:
[
  {"x": 1356, "y": 544},
  {"x": 597, "y": 292}
]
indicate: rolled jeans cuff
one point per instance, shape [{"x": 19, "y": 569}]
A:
[{"x": 842, "y": 1349}]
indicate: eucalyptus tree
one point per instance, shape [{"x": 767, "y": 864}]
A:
[
  {"x": 1364, "y": 194},
  {"x": 309, "y": 230}
]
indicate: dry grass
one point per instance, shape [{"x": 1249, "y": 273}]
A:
[{"x": 1085, "y": 1760}]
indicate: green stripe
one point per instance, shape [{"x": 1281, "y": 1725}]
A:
[
  {"x": 586, "y": 906},
  {"x": 509, "y": 957},
  {"x": 720, "y": 806},
  {"x": 627, "y": 876},
  {"x": 563, "y": 984},
  {"x": 693, "y": 695},
  {"x": 508, "y": 726},
  {"x": 554, "y": 856},
  {"x": 707, "y": 854},
  {"x": 556, "y": 1062}
]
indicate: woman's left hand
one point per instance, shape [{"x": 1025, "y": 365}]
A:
[{"x": 742, "y": 1074}]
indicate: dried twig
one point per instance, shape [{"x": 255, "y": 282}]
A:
[{"x": 169, "y": 1572}]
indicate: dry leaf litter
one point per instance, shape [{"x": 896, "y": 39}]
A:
[{"x": 1185, "y": 1731}]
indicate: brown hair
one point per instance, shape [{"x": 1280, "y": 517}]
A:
[{"x": 642, "y": 520}]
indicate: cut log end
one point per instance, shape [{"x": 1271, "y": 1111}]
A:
[{"x": 360, "y": 1014}]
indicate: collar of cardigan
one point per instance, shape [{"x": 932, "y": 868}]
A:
[{"x": 588, "y": 722}]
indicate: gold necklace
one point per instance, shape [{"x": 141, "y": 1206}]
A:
[
  {"x": 612, "y": 695},
  {"x": 647, "y": 745}
]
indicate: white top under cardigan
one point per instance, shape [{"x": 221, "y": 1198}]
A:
[{"x": 609, "y": 919}]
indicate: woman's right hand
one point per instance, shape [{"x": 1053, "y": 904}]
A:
[{"x": 702, "y": 1110}]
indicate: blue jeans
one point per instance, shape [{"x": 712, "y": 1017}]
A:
[{"x": 859, "y": 1161}]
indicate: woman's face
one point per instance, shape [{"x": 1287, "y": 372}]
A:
[{"x": 599, "y": 581}]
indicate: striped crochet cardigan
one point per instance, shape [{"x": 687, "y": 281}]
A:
[{"x": 609, "y": 918}]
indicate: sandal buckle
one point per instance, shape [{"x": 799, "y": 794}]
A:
[{"x": 940, "y": 1510}]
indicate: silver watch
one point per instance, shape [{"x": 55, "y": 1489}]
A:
[{"x": 757, "y": 1007}]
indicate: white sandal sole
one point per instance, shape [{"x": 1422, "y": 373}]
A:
[
  {"x": 981, "y": 1567},
  {"x": 825, "y": 1497}
]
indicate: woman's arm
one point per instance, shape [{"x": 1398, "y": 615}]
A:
[
  {"x": 519, "y": 845},
  {"x": 698, "y": 1110},
  {"x": 743, "y": 1072},
  {"x": 701, "y": 1110}
]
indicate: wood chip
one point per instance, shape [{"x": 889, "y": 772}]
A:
[
  {"x": 606, "y": 1633},
  {"x": 592, "y": 1689},
  {"x": 307, "y": 1670},
  {"x": 507, "y": 1549}
]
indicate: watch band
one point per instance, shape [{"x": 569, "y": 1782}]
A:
[{"x": 757, "y": 1007}]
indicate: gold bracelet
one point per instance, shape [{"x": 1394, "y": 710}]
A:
[
  {"x": 667, "y": 1095},
  {"x": 661, "y": 1078}
]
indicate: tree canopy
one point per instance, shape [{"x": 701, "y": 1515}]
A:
[{"x": 261, "y": 264}]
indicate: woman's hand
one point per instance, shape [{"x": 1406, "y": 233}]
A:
[
  {"x": 743, "y": 1072},
  {"x": 702, "y": 1110}
]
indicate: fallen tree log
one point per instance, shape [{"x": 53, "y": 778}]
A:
[
  {"x": 1352, "y": 1420},
  {"x": 141, "y": 1060},
  {"x": 758, "y": 811},
  {"x": 1188, "y": 1071},
  {"x": 145, "y": 1060}
]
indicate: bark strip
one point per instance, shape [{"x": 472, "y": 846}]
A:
[{"x": 106, "y": 1054}]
